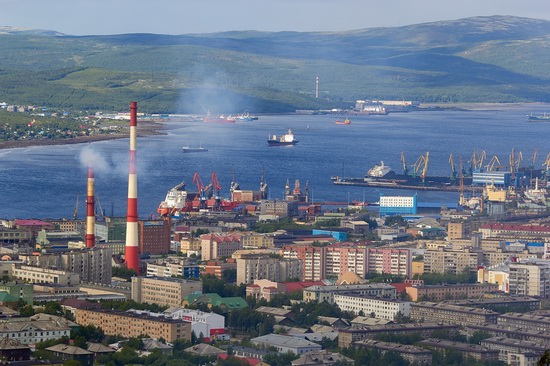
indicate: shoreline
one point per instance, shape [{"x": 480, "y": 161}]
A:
[{"x": 147, "y": 129}]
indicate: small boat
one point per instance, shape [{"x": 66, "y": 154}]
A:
[
  {"x": 245, "y": 117},
  {"x": 220, "y": 118},
  {"x": 544, "y": 117},
  {"x": 283, "y": 140},
  {"x": 187, "y": 149},
  {"x": 344, "y": 122}
]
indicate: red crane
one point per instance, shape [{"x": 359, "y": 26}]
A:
[
  {"x": 217, "y": 189},
  {"x": 197, "y": 180}
]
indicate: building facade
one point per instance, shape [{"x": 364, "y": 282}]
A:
[
  {"x": 135, "y": 323},
  {"x": 259, "y": 266},
  {"x": 380, "y": 308},
  {"x": 397, "y": 205},
  {"x": 154, "y": 236},
  {"x": 214, "y": 246},
  {"x": 163, "y": 290}
]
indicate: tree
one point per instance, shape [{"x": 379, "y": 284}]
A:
[
  {"x": 544, "y": 360},
  {"x": 53, "y": 308},
  {"x": 135, "y": 343},
  {"x": 26, "y": 311}
]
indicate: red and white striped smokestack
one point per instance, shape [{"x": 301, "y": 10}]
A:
[
  {"x": 132, "y": 247},
  {"x": 90, "y": 210}
]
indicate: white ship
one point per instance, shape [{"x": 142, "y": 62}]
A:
[
  {"x": 174, "y": 202},
  {"x": 378, "y": 171}
]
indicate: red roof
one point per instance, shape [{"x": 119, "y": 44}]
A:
[
  {"x": 250, "y": 361},
  {"x": 32, "y": 223},
  {"x": 400, "y": 287},
  {"x": 299, "y": 286}
]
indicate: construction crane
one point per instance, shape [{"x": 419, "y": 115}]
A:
[
  {"x": 75, "y": 212},
  {"x": 461, "y": 184},
  {"x": 404, "y": 162},
  {"x": 453, "y": 170}
]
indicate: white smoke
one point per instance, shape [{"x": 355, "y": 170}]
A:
[{"x": 94, "y": 158}]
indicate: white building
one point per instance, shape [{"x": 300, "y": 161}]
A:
[
  {"x": 530, "y": 278},
  {"x": 209, "y": 325},
  {"x": 285, "y": 344},
  {"x": 30, "y": 332},
  {"x": 382, "y": 308}
]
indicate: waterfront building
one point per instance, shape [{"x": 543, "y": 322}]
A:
[{"x": 398, "y": 205}]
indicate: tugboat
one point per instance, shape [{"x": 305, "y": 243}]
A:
[
  {"x": 283, "y": 140},
  {"x": 344, "y": 122}
]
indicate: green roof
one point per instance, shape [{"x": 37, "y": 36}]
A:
[
  {"x": 5, "y": 297},
  {"x": 216, "y": 300}
]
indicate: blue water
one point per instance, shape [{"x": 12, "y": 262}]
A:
[{"x": 43, "y": 182}]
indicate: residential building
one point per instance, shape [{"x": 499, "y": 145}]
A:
[
  {"x": 530, "y": 278},
  {"x": 514, "y": 231},
  {"x": 324, "y": 357},
  {"x": 348, "y": 337},
  {"x": 14, "y": 236},
  {"x": 13, "y": 350},
  {"x": 265, "y": 289},
  {"x": 380, "y": 308},
  {"x": 467, "y": 350},
  {"x": 154, "y": 236},
  {"x": 72, "y": 353},
  {"x": 412, "y": 354},
  {"x": 507, "y": 346},
  {"x": 23, "y": 291},
  {"x": 535, "y": 323},
  {"x": 340, "y": 260},
  {"x": 326, "y": 293},
  {"x": 163, "y": 290},
  {"x": 285, "y": 344},
  {"x": 92, "y": 265},
  {"x": 278, "y": 208},
  {"x": 451, "y": 314},
  {"x": 449, "y": 291},
  {"x": 190, "y": 245},
  {"x": 217, "y": 268},
  {"x": 451, "y": 261},
  {"x": 258, "y": 265},
  {"x": 34, "y": 331},
  {"x": 173, "y": 270},
  {"x": 255, "y": 240},
  {"x": 133, "y": 323},
  {"x": 214, "y": 246},
  {"x": 312, "y": 259},
  {"x": 455, "y": 230},
  {"x": 391, "y": 261}
]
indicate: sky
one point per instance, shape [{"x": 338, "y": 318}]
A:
[{"x": 99, "y": 17}]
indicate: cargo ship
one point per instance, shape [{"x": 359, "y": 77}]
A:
[
  {"x": 344, "y": 122},
  {"x": 179, "y": 201},
  {"x": 287, "y": 139},
  {"x": 187, "y": 149},
  {"x": 544, "y": 117},
  {"x": 381, "y": 176}
]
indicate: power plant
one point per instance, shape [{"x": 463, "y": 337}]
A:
[
  {"x": 90, "y": 210},
  {"x": 132, "y": 246}
]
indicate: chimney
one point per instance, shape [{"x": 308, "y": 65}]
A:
[
  {"x": 132, "y": 249},
  {"x": 90, "y": 210}
]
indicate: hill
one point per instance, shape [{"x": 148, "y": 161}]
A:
[{"x": 479, "y": 59}]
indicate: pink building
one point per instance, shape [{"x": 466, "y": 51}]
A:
[
  {"x": 214, "y": 246},
  {"x": 391, "y": 261}
]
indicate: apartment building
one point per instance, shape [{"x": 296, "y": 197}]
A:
[
  {"x": 392, "y": 261},
  {"x": 414, "y": 355},
  {"x": 190, "y": 245},
  {"x": 508, "y": 347},
  {"x": 529, "y": 278},
  {"x": 134, "y": 323},
  {"x": 163, "y": 290},
  {"x": 254, "y": 265},
  {"x": 312, "y": 259},
  {"x": 467, "y": 350},
  {"x": 514, "y": 231},
  {"x": 381, "y": 308},
  {"x": 455, "y": 230},
  {"x": 340, "y": 260},
  {"x": 214, "y": 246},
  {"x": 446, "y": 260},
  {"x": 34, "y": 331},
  {"x": 534, "y": 323},
  {"x": 92, "y": 265},
  {"x": 326, "y": 293},
  {"x": 173, "y": 270},
  {"x": 255, "y": 240},
  {"x": 451, "y": 314},
  {"x": 204, "y": 325},
  {"x": 446, "y": 292}
]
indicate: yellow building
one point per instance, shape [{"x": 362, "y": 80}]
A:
[
  {"x": 190, "y": 246},
  {"x": 134, "y": 323},
  {"x": 417, "y": 268}
]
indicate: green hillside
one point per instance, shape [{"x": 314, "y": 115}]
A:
[{"x": 481, "y": 59}]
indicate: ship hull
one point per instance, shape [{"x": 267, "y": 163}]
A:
[{"x": 281, "y": 143}]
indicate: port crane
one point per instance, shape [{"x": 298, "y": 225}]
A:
[
  {"x": 546, "y": 166},
  {"x": 422, "y": 161},
  {"x": 453, "y": 169},
  {"x": 404, "y": 162},
  {"x": 217, "y": 188},
  {"x": 534, "y": 158},
  {"x": 201, "y": 190},
  {"x": 492, "y": 164},
  {"x": 75, "y": 212}
]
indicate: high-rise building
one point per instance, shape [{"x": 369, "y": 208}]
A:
[{"x": 154, "y": 236}]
